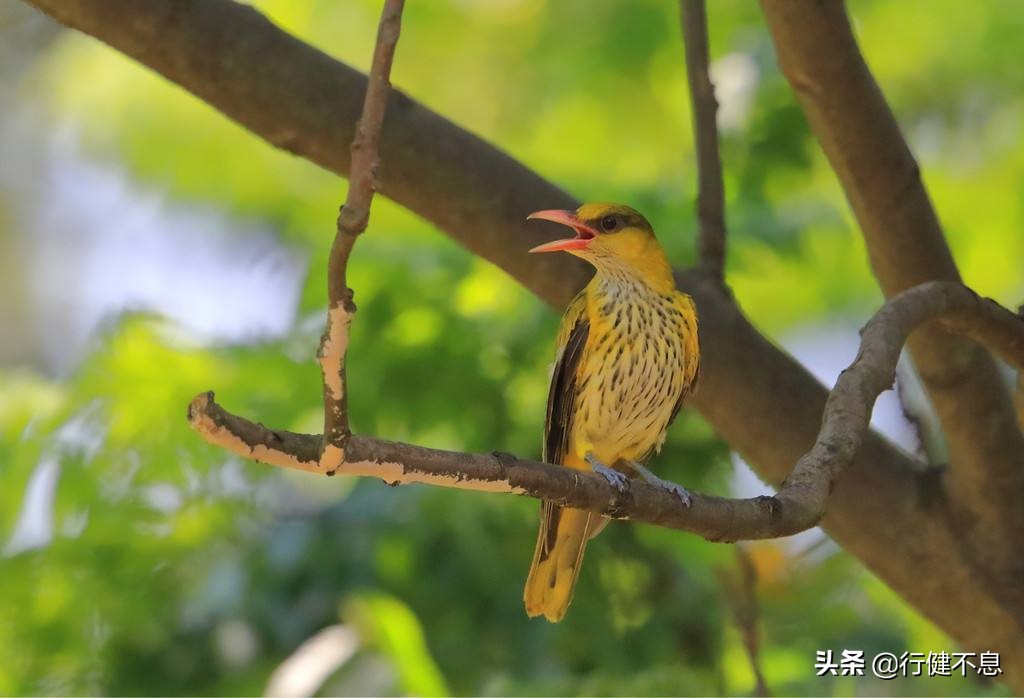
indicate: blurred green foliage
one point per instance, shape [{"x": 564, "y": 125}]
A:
[{"x": 176, "y": 570}]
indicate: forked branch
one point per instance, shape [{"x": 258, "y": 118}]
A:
[
  {"x": 798, "y": 505},
  {"x": 352, "y": 221},
  {"x": 818, "y": 53}
]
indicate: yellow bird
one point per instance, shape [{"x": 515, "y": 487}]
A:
[{"x": 628, "y": 355}]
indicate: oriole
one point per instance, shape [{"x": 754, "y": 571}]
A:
[{"x": 627, "y": 356}]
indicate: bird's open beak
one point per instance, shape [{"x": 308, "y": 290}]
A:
[{"x": 584, "y": 233}]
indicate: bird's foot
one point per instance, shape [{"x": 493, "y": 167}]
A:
[
  {"x": 655, "y": 481},
  {"x": 614, "y": 477}
]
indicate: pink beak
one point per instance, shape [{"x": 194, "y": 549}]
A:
[{"x": 584, "y": 233}]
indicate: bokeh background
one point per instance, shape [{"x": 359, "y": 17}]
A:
[{"x": 150, "y": 249}]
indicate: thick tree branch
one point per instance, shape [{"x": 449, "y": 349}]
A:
[
  {"x": 767, "y": 406},
  {"x": 353, "y": 218},
  {"x": 848, "y": 113},
  {"x": 797, "y": 506},
  {"x": 710, "y": 192}
]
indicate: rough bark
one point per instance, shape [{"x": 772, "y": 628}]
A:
[{"x": 848, "y": 114}]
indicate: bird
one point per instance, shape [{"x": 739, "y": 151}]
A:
[{"x": 628, "y": 354}]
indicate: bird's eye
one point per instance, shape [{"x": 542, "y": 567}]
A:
[{"x": 609, "y": 223}]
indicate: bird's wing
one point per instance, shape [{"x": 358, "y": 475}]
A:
[
  {"x": 691, "y": 353},
  {"x": 572, "y": 338}
]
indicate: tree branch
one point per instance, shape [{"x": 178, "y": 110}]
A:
[
  {"x": 1018, "y": 398},
  {"x": 397, "y": 463},
  {"x": 353, "y": 218},
  {"x": 797, "y": 506},
  {"x": 742, "y": 587},
  {"x": 710, "y": 192},
  {"x": 818, "y": 54},
  {"x": 763, "y": 403},
  {"x": 849, "y": 405}
]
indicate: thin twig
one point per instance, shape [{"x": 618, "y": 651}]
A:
[
  {"x": 1018, "y": 399},
  {"x": 352, "y": 221},
  {"x": 1018, "y": 393},
  {"x": 710, "y": 191},
  {"x": 748, "y": 617},
  {"x": 916, "y": 411},
  {"x": 741, "y": 585},
  {"x": 798, "y": 505}
]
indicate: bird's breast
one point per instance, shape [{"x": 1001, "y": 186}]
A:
[{"x": 632, "y": 375}]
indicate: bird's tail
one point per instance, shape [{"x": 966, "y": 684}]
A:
[{"x": 557, "y": 559}]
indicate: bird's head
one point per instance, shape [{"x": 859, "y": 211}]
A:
[{"x": 609, "y": 236}]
